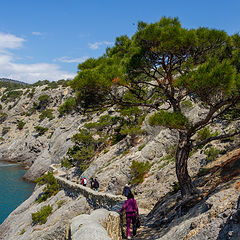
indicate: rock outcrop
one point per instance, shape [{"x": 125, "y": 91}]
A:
[{"x": 101, "y": 224}]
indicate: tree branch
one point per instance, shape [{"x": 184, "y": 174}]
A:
[{"x": 215, "y": 138}]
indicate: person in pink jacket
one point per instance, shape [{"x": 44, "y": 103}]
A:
[{"x": 131, "y": 208}]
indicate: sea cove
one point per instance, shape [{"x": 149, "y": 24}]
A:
[{"x": 13, "y": 189}]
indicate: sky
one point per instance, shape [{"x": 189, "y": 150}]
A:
[{"x": 47, "y": 39}]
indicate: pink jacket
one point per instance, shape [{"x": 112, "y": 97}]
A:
[{"x": 130, "y": 206}]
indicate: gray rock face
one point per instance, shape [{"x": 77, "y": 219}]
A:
[
  {"x": 26, "y": 146},
  {"x": 18, "y": 226},
  {"x": 101, "y": 224}
]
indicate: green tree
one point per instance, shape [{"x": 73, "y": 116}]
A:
[{"x": 166, "y": 63}]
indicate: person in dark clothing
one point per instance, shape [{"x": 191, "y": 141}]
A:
[
  {"x": 95, "y": 185},
  {"x": 126, "y": 190},
  {"x": 91, "y": 183},
  {"x": 131, "y": 208}
]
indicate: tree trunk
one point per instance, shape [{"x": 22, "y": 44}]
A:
[{"x": 184, "y": 146}]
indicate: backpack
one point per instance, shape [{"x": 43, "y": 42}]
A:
[{"x": 84, "y": 181}]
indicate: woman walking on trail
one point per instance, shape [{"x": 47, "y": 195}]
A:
[{"x": 131, "y": 208}]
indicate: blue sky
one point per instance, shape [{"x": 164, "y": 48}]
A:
[{"x": 47, "y": 39}]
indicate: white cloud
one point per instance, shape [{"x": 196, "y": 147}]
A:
[
  {"x": 72, "y": 60},
  {"x": 96, "y": 45},
  {"x": 37, "y": 33},
  {"x": 9, "y": 41},
  {"x": 29, "y": 73}
]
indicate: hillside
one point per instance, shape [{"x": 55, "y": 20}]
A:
[
  {"x": 111, "y": 165},
  {"x": 158, "y": 111}
]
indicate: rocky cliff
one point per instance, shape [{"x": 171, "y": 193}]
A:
[{"x": 157, "y": 194}]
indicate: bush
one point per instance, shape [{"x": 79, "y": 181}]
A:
[
  {"x": 31, "y": 94},
  {"x": 212, "y": 153},
  {"x": 20, "y": 124},
  {"x": 205, "y": 133},
  {"x": 186, "y": 104},
  {"x": 83, "y": 150},
  {"x": 43, "y": 101},
  {"x": 202, "y": 172},
  {"x": 3, "y": 117},
  {"x": 52, "y": 187},
  {"x": 175, "y": 120},
  {"x": 139, "y": 170},
  {"x": 10, "y": 96},
  {"x": 5, "y": 130},
  {"x": 66, "y": 163},
  {"x": 68, "y": 106},
  {"x": 40, "y": 130},
  {"x": 48, "y": 113},
  {"x": 41, "y": 216},
  {"x": 22, "y": 231}
]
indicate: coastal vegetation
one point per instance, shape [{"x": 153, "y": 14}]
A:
[
  {"x": 51, "y": 187},
  {"x": 160, "y": 68},
  {"x": 40, "y": 217}
]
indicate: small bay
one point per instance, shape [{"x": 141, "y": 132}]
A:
[{"x": 13, "y": 189}]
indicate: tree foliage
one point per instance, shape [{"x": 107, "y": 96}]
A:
[{"x": 160, "y": 67}]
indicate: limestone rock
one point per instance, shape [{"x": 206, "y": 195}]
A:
[{"x": 101, "y": 224}]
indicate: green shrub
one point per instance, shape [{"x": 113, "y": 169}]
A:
[
  {"x": 20, "y": 124},
  {"x": 139, "y": 170},
  {"x": 44, "y": 100},
  {"x": 0, "y": 106},
  {"x": 174, "y": 120},
  {"x": 84, "y": 149},
  {"x": 31, "y": 94},
  {"x": 10, "y": 96},
  {"x": 186, "y": 104},
  {"x": 66, "y": 163},
  {"x": 40, "y": 130},
  {"x": 141, "y": 147},
  {"x": 205, "y": 133},
  {"x": 5, "y": 130},
  {"x": 26, "y": 92},
  {"x": 60, "y": 203},
  {"x": 52, "y": 186},
  {"x": 203, "y": 171},
  {"x": 68, "y": 106},
  {"x": 41, "y": 216},
  {"x": 212, "y": 153},
  {"x": 3, "y": 117},
  {"x": 22, "y": 232},
  {"x": 48, "y": 113}
]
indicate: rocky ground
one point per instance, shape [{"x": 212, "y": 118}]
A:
[{"x": 214, "y": 215}]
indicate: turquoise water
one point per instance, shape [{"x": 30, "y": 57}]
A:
[{"x": 13, "y": 189}]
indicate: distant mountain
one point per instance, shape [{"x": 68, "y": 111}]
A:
[{"x": 12, "y": 81}]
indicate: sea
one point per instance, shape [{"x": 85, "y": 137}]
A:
[{"x": 13, "y": 189}]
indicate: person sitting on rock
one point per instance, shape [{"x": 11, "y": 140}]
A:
[
  {"x": 131, "y": 208},
  {"x": 126, "y": 190}
]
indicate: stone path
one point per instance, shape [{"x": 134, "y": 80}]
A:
[{"x": 101, "y": 200}]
